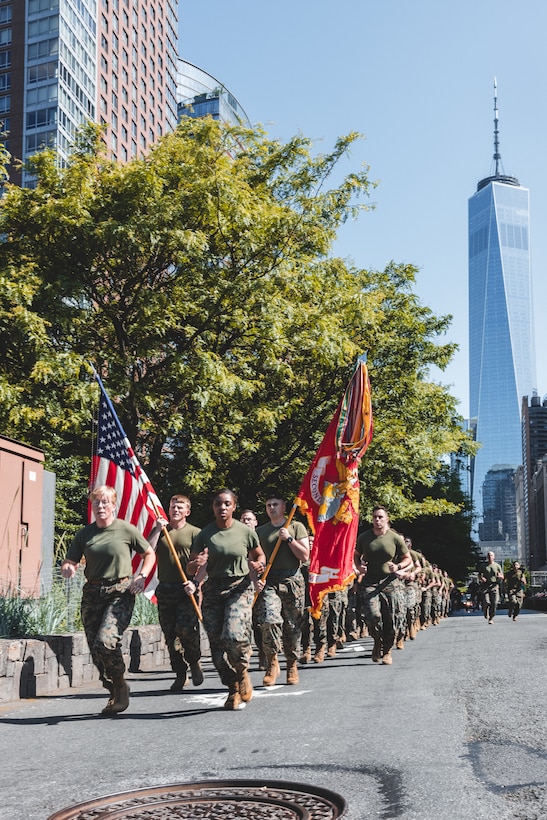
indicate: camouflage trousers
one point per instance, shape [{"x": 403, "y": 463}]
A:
[
  {"x": 227, "y": 618},
  {"x": 338, "y": 603},
  {"x": 401, "y": 607},
  {"x": 317, "y": 626},
  {"x": 516, "y": 600},
  {"x": 280, "y": 612},
  {"x": 380, "y": 605},
  {"x": 178, "y": 620},
  {"x": 106, "y": 613},
  {"x": 413, "y": 596},
  {"x": 425, "y": 614},
  {"x": 435, "y": 604}
]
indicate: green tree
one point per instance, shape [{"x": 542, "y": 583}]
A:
[{"x": 199, "y": 282}]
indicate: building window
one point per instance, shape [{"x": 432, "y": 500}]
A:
[
  {"x": 5, "y": 102},
  {"x": 41, "y": 117},
  {"x": 42, "y": 71}
]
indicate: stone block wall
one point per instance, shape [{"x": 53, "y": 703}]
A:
[{"x": 30, "y": 667}]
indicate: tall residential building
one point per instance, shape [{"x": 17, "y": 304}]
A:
[
  {"x": 534, "y": 449},
  {"x": 199, "y": 94},
  {"x": 65, "y": 62},
  {"x": 501, "y": 332}
]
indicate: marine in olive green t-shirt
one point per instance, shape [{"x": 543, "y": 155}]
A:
[
  {"x": 107, "y": 550},
  {"x": 227, "y": 549},
  {"x": 285, "y": 558},
  {"x": 183, "y": 542}
]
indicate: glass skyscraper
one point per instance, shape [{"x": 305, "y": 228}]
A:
[
  {"x": 65, "y": 62},
  {"x": 501, "y": 332}
]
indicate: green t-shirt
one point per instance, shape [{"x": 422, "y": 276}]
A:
[
  {"x": 515, "y": 580},
  {"x": 378, "y": 551},
  {"x": 285, "y": 558},
  {"x": 228, "y": 549},
  {"x": 490, "y": 572},
  {"x": 182, "y": 540},
  {"x": 107, "y": 550}
]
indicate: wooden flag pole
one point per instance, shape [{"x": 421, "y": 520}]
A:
[
  {"x": 275, "y": 550},
  {"x": 176, "y": 558}
]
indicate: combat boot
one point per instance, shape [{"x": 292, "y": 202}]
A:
[
  {"x": 331, "y": 651},
  {"x": 292, "y": 673},
  {"x": 319, "y": 656},
  {"x": 233, "y": 701},
  {"x": 179, "y": 683},
  {"x": 197, "y": 673},
  {"x": 120, "y": 698},
  {"x": 386, "y": 658},
  {"x": 245, "y": 686},
  {"x": 401, "y": 643},
  {"x": 306, "y": 656},
  {"x": 377, "y": 650},
  {"x": 272, "y": 672}
]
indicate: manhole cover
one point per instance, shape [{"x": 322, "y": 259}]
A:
[{"x": 214, "y": 800}]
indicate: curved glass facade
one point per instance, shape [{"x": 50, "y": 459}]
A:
[
  {"x": 200, "y": 95},
  {"x": 501, "y": 332}
]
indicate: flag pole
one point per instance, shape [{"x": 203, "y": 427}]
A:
[
  {"x": 165, "y": 533},
  {"x": 275, "y": 550}
]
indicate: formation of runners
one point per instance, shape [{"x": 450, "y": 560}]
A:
[{"x": 248, "y": 603}]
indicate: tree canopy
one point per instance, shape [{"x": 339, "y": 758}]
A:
[{"x": 200, "y": 283}]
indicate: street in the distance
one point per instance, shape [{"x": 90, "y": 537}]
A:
[{"x": 455, "y": 729}]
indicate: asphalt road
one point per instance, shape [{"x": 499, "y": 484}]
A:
[{"x": 455, "y": 729}]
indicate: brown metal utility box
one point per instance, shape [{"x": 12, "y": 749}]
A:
[{"x": 21, "y": 500}]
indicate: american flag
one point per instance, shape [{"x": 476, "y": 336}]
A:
[{"x": 115, "y": 464}]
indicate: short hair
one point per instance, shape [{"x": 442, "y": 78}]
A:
[
  {"x": 181, "y": 498},
  {"x": 273, "y": 493},
  {"x": 104, "y": 489},
  {"x": 228, "y": 491},
  {"x": 246, "y": 511},
  {"x": 380, "y": 507}
]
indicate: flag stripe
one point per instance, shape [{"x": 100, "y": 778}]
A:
[{"x": 115, "y": 464}]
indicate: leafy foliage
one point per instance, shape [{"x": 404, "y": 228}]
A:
[{"x": 199, "y": 282}]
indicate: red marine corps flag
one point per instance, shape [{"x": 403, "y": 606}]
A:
[
  {"x": 329, "y": 495},
  {"x": 115, "y": 464}
]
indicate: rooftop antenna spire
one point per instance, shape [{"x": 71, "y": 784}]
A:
[
  {"x": 499, "y": 174},
  {"x": 497, "y": 155}
]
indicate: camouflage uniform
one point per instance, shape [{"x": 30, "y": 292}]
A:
[
  {"x": 106, "y": 608},
  {"x": 425, "y": 617},
  {"x": 515, "y": 582},
  {"x": 336, "y": 611},
  {"x": 178, "y": 619},
  {"x": 226, "y": 607},
  {"x": 281, "y": 613},
  {"x": 380, "y": 606}
]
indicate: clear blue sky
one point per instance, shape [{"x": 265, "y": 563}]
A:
[{"x": 416, "y": 78}]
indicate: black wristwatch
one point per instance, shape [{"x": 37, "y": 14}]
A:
[{"x": 290, "y": 539}]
